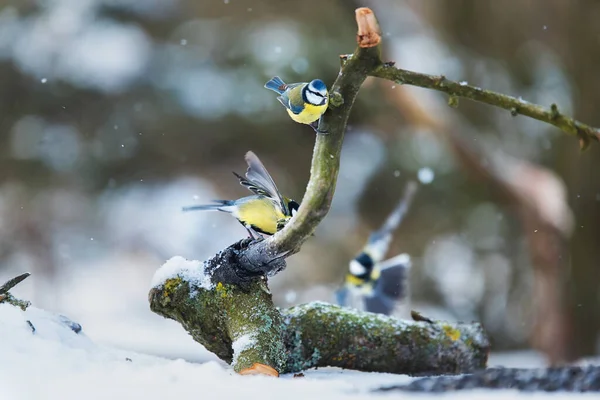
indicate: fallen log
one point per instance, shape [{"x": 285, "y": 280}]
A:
[{"x": 242, "y": 326}]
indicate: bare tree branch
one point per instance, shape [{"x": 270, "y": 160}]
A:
[
  {"x": 267, "y": 256},
  {"x": 6, "y": 297},
  {"x": 516, "y": 106}
]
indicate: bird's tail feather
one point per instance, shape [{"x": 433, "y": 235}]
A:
[
  {"x": 276, "y": 85},
  {"x": 218, "y": 206}
]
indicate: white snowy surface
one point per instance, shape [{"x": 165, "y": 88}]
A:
[
  {"x": 241, "y": 344},
  {"x": 189, "y": 270},
  {"x": 56, "y": 363}
]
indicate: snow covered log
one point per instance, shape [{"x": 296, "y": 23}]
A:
[{"x": 242, "y": 326}]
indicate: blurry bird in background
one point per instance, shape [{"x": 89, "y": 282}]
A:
[
  {"x": 266, "y": 212},
  {"x": 371, "y": 283},
  {"x": 305, "y": 101}
]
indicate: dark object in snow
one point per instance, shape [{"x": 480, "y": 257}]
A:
[
  {"x": 232, "y": 266},
  {"x": 31, "y": 326},
  {"x": 74, "y": 326},
  {"x": 6, "y": 297},
  {"x": 128, "y": 359},
  {"x": 558, "y": 379},
  {"x": 299, "y": 375},
  {"x": 417, "y": 316}
]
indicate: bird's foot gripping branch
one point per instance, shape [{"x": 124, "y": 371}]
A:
[{"x": 241, "y": 326}]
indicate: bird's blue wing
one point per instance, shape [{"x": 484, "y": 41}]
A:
[
  {"x": 379, "y": 303},
  {"x": 292, "y": 98},
  {"x": 285, "y": 100},
  {"x": 393, "y": 282},
  {"x": 391, "y": 287}
]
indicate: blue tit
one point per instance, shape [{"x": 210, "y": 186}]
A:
[
  {"x": 305, "y": 102},
  {"x": 266, "y": 212},
  {"x": 379, "y": 284}
]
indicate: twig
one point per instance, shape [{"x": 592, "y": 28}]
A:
[
  {"x": 13, "y": 282},
  {"x": 516, "y": 106},
  {"x": 6, "y": 297},
  {"x": 417, "y": 316}
]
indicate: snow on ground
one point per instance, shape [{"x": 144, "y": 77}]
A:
[{"x": 54, "y": 362}]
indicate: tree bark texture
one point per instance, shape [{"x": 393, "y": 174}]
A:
[{"x": 242, "y": 327}]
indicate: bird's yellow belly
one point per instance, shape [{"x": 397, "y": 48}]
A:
[
  {"x": 309, "y": 114},
  {"x": 262, "y": 215}
]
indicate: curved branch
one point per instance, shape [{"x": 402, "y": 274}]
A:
[
  {"x": 516, "y": 106},
  {"x": 326, "y": 154},
  {"x": 267, "y": 257}
]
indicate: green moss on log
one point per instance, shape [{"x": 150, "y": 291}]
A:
[
  {"x": 321, "y": 334},
  {"x": 243, "y": 327},
  {"x": 253, "y": 324}
]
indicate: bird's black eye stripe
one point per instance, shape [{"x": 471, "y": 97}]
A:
[{"x": 316, "y": 93}]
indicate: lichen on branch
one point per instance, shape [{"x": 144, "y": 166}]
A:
[
  {"x": 6, "y": 297},
  {"x": 320, "y": 334},
  {"x": 244, "y": 328}
]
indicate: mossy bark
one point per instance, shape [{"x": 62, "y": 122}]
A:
[
  {"x": 314, "y": 335},
  {"x": 320, "y": 334},
  {"x": 225, "y": 319}
]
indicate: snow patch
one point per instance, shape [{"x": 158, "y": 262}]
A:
[
  {"x": 69, "y": 366},
  {"x": 191, "y": 271},
  {"x": 242, "y": 343}
]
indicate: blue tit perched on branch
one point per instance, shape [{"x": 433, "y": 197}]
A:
[
  {"x": 305, "y": 102},
  {"x": 380, "y": 284},
  {"x": 266, "y": 212}
]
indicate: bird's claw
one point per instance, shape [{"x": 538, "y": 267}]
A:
[{"x": 315, "y": 126}]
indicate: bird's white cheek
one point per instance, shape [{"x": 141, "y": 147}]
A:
[
  {"x": 313, "y": 98},
  {"x": 357, "y": 268}
]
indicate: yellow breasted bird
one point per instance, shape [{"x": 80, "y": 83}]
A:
[
  {"x": 379, "y": 284},
  {"x": 305, "y": 102},
  {"x": 266, "y": 212}
]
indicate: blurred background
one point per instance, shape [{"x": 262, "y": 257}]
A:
[{"x": 116, "y": 113}]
